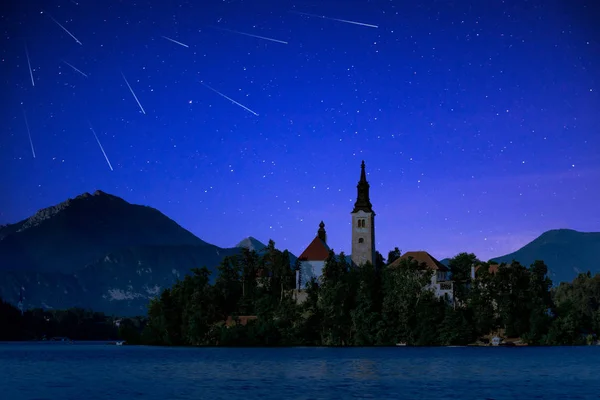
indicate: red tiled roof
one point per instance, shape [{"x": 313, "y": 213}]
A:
[
  {"x": 241, "y": 319},
  {"x": 317, "y": 250},
  {"x": 492, "y": 269},
  {"x": 421, "y": 257}
]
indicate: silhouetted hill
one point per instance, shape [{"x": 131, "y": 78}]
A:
[
  {"x": 98, "y": 251},
  {"x": 566, "y": 253},
  {"x": 65, "y": 237}
]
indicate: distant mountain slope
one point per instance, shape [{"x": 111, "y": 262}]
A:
[
  {"x": 258, "y": 246},
  {"x": 566, "y": 253},
  {"x": 65, "y": 237},
  {"x": 98, "y": 251},
  {"x": 251, "y": 244},
  {"x": 120, "y": 283}
]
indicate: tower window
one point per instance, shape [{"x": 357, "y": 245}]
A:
[
  {"x": 363, "y": 223},
  {"x": 361, "y": 240},
  {"x": 358, "y": 222}
]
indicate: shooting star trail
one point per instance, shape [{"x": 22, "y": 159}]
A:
[
  {"x": 175, "y": 41},
  {"x": 101, "y": 148},
  {"x": 29, "y": 133},
  {"x": 251, "y": 35},
  {"x": 64, "y": 29},
  {"x": 29, "y": 63},
  {"x": 74, "y": 68},
  {"x": 228, "y": 98},
  {"x": 134, "y": 96},
  {"x": 335, "y": 19}
]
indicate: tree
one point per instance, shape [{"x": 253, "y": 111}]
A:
[
  {"x": 460, "y": 272},
  {"x": 228, "y": 286},
  {"x": 403, "y": 292},
  {"x": 393, "y": 255}
]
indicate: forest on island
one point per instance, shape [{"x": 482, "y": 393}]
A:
[
  {"x": 350, "y": 306},
  {"x": 371, "y": 305}
]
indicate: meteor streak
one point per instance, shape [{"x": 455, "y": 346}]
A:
[
  {"x": 64, "y": 29},
  {"x": 335, "y": 19},
  {"x": 101, "y": 148},
  {"x": 175, "y": 41},
  {"x": 249, "y": 34},
  {"x": 228, "y": 98},
  {"x": 74, "y": 68},
  {"x": 29, "y": 134},
  {"x": 134, "y": 96},
  {"x": 29, "y": 63}
]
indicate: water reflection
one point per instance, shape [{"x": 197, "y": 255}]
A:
[{"x": 99, "y": 373}]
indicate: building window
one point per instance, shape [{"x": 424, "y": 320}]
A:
[
  {"x": 358, "y": 223},
  {"x": 361, "y": 240}
]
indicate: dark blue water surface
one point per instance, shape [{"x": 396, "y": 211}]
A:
[{"x": 98, "y": 371}]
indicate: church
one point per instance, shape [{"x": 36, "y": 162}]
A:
[{"x": 312, "y": 259}]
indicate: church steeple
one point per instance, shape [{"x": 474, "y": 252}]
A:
[
  {"x": 362, "y": 199},
  {"x": 363, "y": 224}
]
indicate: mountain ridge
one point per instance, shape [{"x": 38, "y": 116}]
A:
[
  {"x": 62, "y": 237},
  {"x": 566, "y": 253},
  {"x": 251, "y": 243},
  {"x": 88, "y": 251}
]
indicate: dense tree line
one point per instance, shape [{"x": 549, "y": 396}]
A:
[
  {"x": 371, "y": 305},
  {"x": 74, "y": 323},
  {"x": 349, "y": 306}
]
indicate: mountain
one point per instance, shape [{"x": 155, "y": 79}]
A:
[
  {"x": 251, "y": 243},
  {"x": 98, "y": 251},
  {"x": 120, "y": 283},
  {"x": 566, "y": 253},
  {"x": 64, "y": 237}
]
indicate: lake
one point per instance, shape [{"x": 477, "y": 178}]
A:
[{"x": 89, "y": 371}]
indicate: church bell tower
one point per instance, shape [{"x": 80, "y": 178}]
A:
[{"x": 363, "y": 223}]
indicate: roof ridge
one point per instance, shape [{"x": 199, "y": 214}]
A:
[{"x": 317, "y": 250}]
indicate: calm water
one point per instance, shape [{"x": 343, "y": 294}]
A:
[{"x": 97, "y": 371}]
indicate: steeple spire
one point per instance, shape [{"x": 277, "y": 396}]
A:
[
  {"x": 321, "y": 232},
  {"x": 362, "y": 200},
  {"x": 363, "y": 175}
]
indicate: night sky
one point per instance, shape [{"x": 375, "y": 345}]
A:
[{"x": 478, "y": 120}]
